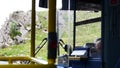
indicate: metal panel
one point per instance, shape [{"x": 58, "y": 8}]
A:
[{"x": 110, "y": 33}]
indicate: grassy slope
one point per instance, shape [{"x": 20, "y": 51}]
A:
[{"x": 85, "y": 33}]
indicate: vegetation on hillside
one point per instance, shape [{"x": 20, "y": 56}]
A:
[
  {"x": 84, "y": 34},
  {"x": 14, "y": 30}
]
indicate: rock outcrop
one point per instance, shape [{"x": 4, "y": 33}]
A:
[{"x": 15, "y": 28}]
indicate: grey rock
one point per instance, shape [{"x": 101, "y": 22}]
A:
[{"x": 23, "y": 25}]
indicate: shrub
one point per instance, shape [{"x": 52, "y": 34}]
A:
[{"x": 14, "y": 30}]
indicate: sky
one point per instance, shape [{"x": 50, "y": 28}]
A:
[{"x": 8, "y": 6}]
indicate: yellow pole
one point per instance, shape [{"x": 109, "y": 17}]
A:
[
  {"x": 52, "y": 16},
  {"x": 33, "y": 29},
  {"x": 52, "y": 36}
]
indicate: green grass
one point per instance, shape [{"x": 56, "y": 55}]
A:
[
  {"x": 84, "y": 34},
  {"x": 87, "y": 33},
  {"x": 16, "y": 50}
]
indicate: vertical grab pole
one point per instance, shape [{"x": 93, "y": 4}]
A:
[
  {"x": 33, "y": 15},
  {"x": 52, "y": 35}
]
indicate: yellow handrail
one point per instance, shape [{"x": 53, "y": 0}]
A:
[
  {"x": 28, "y": 66},
  {"x": 11, "y": 59}
]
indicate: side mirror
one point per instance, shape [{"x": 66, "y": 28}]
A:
[
  {"x": 65, "y": 4},
  {"x": 43, "y": 3}
]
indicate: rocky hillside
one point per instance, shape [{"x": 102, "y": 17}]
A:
[
  {"x": 16, "y": 28},
  {"x": 18, "y": 25}
]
